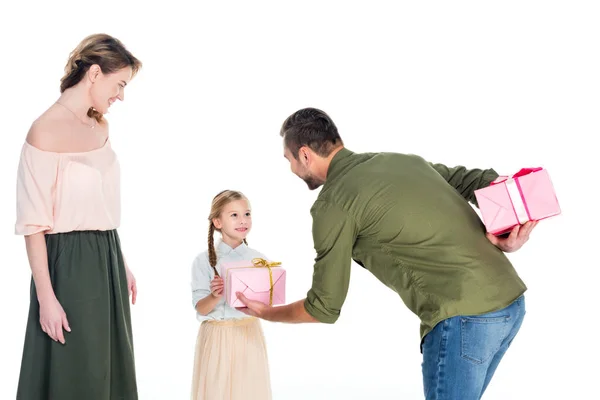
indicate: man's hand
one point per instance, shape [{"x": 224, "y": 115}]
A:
[
  {"x": 253, "y": 307},
  {"x": 294, "y": 313},
  {"x": 517, "y": 238}
]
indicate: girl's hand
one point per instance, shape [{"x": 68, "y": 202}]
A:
[
  {"x": 216, "y": 287},
  {"x": 53, "y": 319}
]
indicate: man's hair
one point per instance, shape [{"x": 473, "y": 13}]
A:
[{"x": 312, "y": 128}]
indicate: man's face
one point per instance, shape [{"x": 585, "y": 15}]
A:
[{"x": 301, "y": 167}]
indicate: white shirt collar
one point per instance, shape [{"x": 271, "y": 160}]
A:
[{"x": 224, "y": 249}]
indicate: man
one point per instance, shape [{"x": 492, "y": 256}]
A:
[{"x": 409, "y": 223}]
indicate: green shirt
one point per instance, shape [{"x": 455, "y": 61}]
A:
[{"x": 409, "y": 223}]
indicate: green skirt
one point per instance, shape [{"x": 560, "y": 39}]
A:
[{"x": 97, "y": 360}]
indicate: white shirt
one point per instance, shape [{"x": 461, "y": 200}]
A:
[{"x": 203, "y": 274}]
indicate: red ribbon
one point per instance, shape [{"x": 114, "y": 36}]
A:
[{"x": 522, "y": 172}]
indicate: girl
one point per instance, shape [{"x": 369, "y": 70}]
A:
[
  {"x": 231, "y": 358},
  {"x": 78, "y": 342}
]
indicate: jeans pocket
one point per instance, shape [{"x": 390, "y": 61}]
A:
[{"x": 482, "y": 336}]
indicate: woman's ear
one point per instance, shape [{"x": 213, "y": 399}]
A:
[{"x": 94, "y": 72}]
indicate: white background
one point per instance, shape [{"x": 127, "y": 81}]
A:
[{"x": 503, "y": 85}]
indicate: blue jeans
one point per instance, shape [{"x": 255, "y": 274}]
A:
[{"x": 461, "y": 354}]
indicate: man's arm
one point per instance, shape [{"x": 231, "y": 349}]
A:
[
  {"x": 334, "y": 233},
  {"x": 466, "y": 181},
  {"x": 294, "y": 313}
]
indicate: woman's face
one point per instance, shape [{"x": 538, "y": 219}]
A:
[{"x": 108, "y": 88}]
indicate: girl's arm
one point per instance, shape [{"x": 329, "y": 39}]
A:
[
  {"x": 206, "y": 290},
  {"x": 208, "y": 303}
]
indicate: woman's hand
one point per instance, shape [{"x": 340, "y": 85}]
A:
[
  {"x": 53, "y": 319},
  {"x": 131, "y": 285}
]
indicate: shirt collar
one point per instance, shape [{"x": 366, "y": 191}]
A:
[
  {"x": 224, "y": 249},
  {"x": 338, "y": 164}
]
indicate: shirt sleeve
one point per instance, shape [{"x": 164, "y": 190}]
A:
[
  {"x": 36, "y": 185},
  {"x": 202, "y": 275},
  {"x": 464, "y": 180},
  {"x": 334, "y": 234}
]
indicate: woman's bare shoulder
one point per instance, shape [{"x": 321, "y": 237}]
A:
[{"x": 45, "y": 132}]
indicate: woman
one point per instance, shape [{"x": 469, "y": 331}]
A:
[{"x": 78, "y": 342}]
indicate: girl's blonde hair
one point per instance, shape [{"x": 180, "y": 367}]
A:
[
  {"x": 101, "y": 49},
  {"x": 218, "y": 204}
]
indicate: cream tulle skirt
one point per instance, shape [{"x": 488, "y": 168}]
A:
[{"x": 231, "y": 361}]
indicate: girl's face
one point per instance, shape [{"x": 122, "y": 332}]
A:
[
  {"x": 108, "y": 88},
  {"x": 234, "y": 222}
]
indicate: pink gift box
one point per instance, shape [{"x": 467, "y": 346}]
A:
[
  {"x": 509, "y": 201},
  {"x": 253, "y": 281}
]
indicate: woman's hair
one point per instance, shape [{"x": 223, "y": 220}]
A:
[
  {"x": 218, "y": 204},
  {"x": 101, "y": 49}
]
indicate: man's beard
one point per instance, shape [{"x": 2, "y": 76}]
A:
[{"x": 312, "y": 182}]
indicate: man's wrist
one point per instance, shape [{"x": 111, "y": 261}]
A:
[{"x": 268, "y": 314}]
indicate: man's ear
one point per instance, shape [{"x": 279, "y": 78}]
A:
[{"x": 305, "y": 155}]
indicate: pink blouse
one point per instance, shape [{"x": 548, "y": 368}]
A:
[{"x": 64, "y": 192}]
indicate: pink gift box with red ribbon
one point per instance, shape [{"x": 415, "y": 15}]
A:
[
  {"x": 528, "y": 195},
  {"x": 257, "y": 279}
]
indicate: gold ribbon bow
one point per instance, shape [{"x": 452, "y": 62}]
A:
[{"x": 262, "y": 263}]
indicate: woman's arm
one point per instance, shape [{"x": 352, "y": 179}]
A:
[
  {"x": 37, "y": 254},
  {"x": 52, "y": 316},
  {"x": 131, "y": 282}
]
